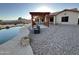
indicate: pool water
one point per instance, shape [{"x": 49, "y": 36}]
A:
[{"x": 7, "y": 34}]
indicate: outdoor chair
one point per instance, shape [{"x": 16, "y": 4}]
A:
[{"x": 36, "y": 29}]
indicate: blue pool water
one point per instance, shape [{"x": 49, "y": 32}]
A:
[{"x": 7, "y": 34}]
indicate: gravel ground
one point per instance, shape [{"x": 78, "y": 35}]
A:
[{"x": 56, "y": 40}]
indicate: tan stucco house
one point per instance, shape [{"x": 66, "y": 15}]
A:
[{"x": 66, "y": 16}]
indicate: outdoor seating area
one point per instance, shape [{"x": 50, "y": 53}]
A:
[{"x": 36, "y": 29}]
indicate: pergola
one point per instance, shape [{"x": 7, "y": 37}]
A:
[{"x": 40, "y": 16}]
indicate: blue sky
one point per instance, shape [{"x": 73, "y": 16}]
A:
[{"x": 11, "y": 11}]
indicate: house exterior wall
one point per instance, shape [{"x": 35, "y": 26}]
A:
[
  {"x": 78, "y": 15},
  {"x": 73, "y": 17}
]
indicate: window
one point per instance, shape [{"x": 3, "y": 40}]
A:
[
  {"x": 42, "y": 20},
  {"x": 51, "y": 19},
  {"x": 65, "y": 19}
]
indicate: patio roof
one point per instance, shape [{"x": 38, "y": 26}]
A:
[{"x": 33, "y": 13}]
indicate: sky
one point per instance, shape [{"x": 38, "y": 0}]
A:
[{"x": 11, "y": 11}]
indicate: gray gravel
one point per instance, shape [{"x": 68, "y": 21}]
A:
[{"x": 56, "y": 40}]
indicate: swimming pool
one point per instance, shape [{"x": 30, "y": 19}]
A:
[{"x": 7, "y": 34}]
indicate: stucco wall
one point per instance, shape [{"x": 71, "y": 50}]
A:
[{"x": 73, "y": 17}]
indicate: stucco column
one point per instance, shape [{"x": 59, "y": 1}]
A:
[
  {"x": 39, "y": 21},
  {"x": 46, "y": 20},
  {"x": 32, "y": 20}
]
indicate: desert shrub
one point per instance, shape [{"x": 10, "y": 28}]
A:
[{"x": 25, "y": 41}]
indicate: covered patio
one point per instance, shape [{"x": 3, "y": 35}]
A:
[{"x": 40, "y": 18}]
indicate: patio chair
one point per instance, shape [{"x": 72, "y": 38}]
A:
[{"x": 36, "y": 29}]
